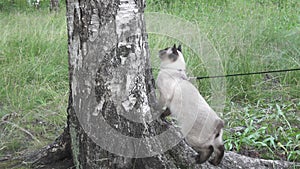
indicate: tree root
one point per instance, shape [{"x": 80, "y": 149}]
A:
[{"x": 57, "y": 155}]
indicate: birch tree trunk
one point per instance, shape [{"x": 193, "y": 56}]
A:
[
  {"x": 109, "y": 75},
  {"x": 111, "y": 82}
]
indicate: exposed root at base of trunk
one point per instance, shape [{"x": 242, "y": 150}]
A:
[{"x": 56, "y": 155}]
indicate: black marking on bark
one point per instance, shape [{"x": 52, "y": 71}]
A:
[
  {"x": 109, "y": 64},
  {"x": 131, "y": 39},
  {"x": 85, "y": 13},
  {"x": 76, "y": 24},
  {"x": 127, "y": 127},
  {"x": 140, "y": 4},
  {"x": 124, "y": 51},
  {"x": 136, "y": 92},
  {"x": 107, "y": 11}
]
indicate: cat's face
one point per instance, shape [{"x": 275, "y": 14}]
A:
[{"x": 170, "y": 54}]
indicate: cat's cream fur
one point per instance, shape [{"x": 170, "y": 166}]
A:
[{"x": 199, "y": 123}]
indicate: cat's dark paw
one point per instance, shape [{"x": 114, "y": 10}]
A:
[{"x": 166, "y": 113}]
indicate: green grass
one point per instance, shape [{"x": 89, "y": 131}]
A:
[
  {"x": 34, "y": 78},
  {"x": 261, "y": 112},
  {"x": 249, "y": 36}
]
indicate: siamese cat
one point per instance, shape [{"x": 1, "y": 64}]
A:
[{"x": 198, "y": 122}]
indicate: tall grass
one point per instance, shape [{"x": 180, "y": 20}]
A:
[
  {"x": 34, "y": 77},
  {"x": 248, "y": 35}
]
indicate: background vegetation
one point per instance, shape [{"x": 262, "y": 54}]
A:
[{"x": 262, "y": 112}]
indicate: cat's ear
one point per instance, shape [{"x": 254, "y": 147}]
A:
[
  {"x": 179, "y": 48},
  {"x": 174, "y": 50}
]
